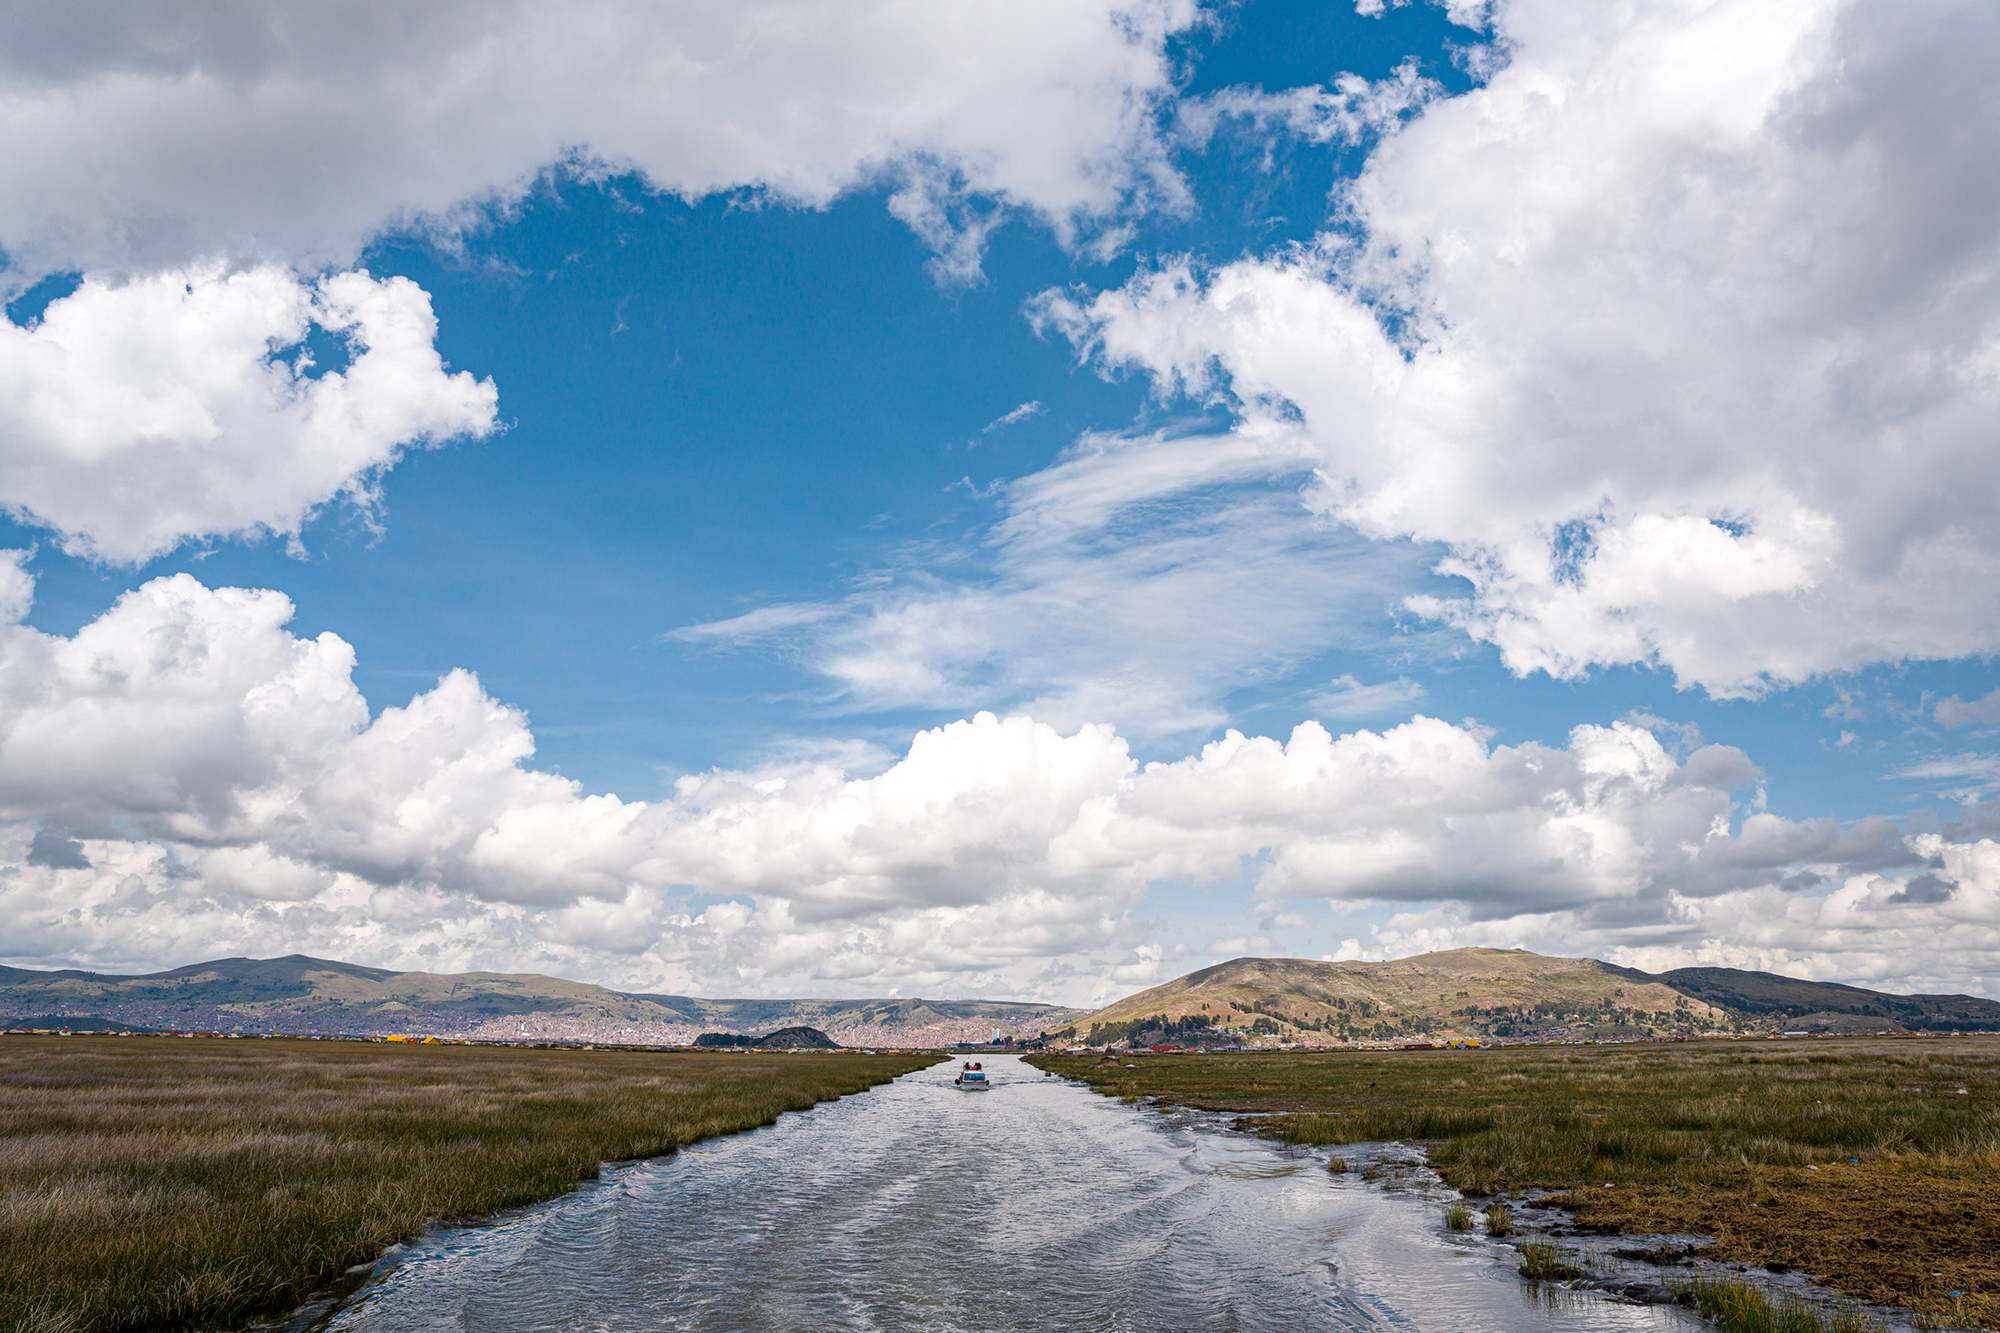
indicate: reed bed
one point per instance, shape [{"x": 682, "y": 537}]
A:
[
  {"x": 1860, "y": 1161},
  {"x": 158, "y": 1183},
  {"x": 1543, "y": 1262},
  {"x": 1736, "y": 1306}
]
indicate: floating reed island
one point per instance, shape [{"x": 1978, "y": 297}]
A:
[
  {"x": 1869, "y": 1163},
  {"x": 158, "y": 1183}
]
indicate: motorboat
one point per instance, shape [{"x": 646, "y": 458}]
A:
[{"x": 972, "y": 1077}]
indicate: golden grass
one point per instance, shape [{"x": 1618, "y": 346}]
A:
[
  {"x": 154, "y": 1182},
  {"x": 1749, "y": 1142}
]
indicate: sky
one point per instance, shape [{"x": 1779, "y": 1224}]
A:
[{"x": 1016, "y": 501}]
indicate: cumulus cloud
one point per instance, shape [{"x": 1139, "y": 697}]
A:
[
  {"x": 143, "y": 140},
  {"x": 1936, "y": 932},
  {"x": 188, "y": 158},
  {"x": 1682, "y": 333},
  {"x": 185, "y": 777},
  {"x": 134, "y": 415}
]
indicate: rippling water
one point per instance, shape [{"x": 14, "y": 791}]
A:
[{"x": 1033, "y": 1205}]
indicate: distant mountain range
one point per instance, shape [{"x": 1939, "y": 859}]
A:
[
  {"x": 1503, "y": 993},
  {"x": 302, "y": 995},
  {"x": 1460, "y": 992}
]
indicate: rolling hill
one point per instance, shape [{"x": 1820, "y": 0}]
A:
[
  {"x": 302, "y": 995},
  {"x": 1500, "y": 993},
  {"x": 1830, "y": 1004}
]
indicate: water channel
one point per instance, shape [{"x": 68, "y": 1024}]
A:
[{"x": 916, "y": 1206}]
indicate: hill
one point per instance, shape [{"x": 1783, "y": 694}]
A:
[
  {"x": 796, "y": 1039},
  {"x": 301, "y": 995},
  {"x": 1830, "y": 1005},
  {"x": 1499, "y": 993}
]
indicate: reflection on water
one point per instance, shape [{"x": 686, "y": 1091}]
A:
[{"x": 1035, "y": 1205}]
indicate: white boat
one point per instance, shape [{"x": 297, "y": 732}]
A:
[{"x": 972, "y": 1078}]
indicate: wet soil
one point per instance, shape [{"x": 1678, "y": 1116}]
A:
[{"x": 1886, "y": 1232}]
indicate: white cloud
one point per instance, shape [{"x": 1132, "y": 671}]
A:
[
  {"x": 1021, "y": 413},
  {"x": 191, "y": 157},
  {"x": 1954, "y": 712},
  {"x": 135, "y": 415},
  {"x": 1682, "y": 332},
  {"x": 201, "y": 782},
  {"x": 1977, "y": 774},
  {"x": 1349, "y": 111},
  {"x": 1347, "y": 697},
  {"x": 1138, "y": 579},
  {"x": 292, "y": 135},
  {"x": 1239, "y": 946},
  {"x": 1938, "y": 932}
]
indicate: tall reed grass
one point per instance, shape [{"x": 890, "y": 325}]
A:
[
  {"x": 154, "y": 1183},
  {"x": 1736, "y": 1306}
]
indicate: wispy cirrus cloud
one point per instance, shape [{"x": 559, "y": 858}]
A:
[
  {"x": 1019, "y": 414},
  {"x": 1348, "y": 697},
  {"x": 1138, "y": 580},
  {"x": 1972, "y": 775}
]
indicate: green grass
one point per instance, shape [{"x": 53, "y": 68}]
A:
[
  {"x": 1587, "y": 1115},
  {"x": 1795, "y": 1152},
  {"x": 154, "y": 1183},
  {"x": 1458, "y": 1217},
  {"x": 1743, "y": 1307},
  {"x": 1545, "y": 1263},
  {"x": 1499, "y": 1220}
]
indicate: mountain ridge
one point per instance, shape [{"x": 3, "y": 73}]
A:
[
  {"x": 300, "y": 994},
  {"x": 1461, "y": 993},
  {"x": 1499, "y": 993}
]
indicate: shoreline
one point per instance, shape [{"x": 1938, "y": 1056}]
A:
[
  {"x": 1856, "y": 1160},
  {"x": 212, "y": 1184}
]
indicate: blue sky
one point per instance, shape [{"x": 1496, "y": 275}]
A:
[{"x": 724, "y": 478}]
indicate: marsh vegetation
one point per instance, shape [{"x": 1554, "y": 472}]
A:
[
  {"x": 1736, "y": 1306},
  {"x": 1866, "y": 1162},
  {"x": 154, "y": 1182}
]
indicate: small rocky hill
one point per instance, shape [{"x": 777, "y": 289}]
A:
[{"x": 796, "y": 1039}]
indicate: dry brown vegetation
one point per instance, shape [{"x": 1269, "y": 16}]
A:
[
  {"x": 1747, "y": 1141},
  {"x": 155, "y": 1182}
]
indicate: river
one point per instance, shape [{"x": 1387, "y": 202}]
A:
[{"x": 1035, "y": 1205}]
